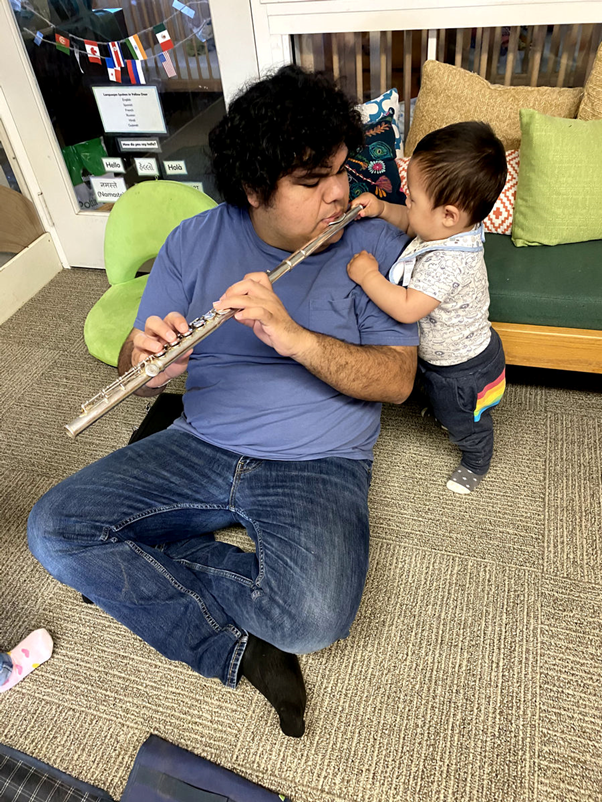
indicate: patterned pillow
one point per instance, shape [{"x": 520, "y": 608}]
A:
[
  {"x": 499, "y": 219},
  {"x": 374, "y": 110},
  {"x": 374, "y": 169}
]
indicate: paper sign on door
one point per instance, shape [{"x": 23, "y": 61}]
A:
[
  {"x": 175, "y": 168},
  {"x": 113, "y": 164},
  {"x": 147, "y": 166},
  {"x": 107, "y": 190}
]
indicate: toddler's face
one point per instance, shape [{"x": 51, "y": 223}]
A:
[{"x": 423, "y": 219}]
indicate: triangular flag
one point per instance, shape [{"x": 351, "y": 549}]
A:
[
  {"x": 116, "y": 54},
  {"x": 135, "y": 72},
  {"x": 163, "y": 37},
  {"x": 114, "y": 72},
  {"x": 135, "y": 46},
  {"x": 93, "y": 51},
  {"x": 76, "y": 53},
  {"x": 167, "y": 63},
  {"x": 62, "y": 43}
]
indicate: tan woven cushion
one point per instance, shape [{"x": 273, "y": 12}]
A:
[
  {"x": 450, "y": 94},
  {"x": 591, "y": 105}
]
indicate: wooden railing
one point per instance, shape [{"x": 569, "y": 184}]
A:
[{"x": 366, "y": 64}]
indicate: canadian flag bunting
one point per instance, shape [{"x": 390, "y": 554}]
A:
[{"x": 93, "y": 51}]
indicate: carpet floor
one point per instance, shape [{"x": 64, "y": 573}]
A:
[{"x": 473, "y": 671}]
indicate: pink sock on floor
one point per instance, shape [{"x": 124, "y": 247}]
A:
[{"x": 27, "y": 655}]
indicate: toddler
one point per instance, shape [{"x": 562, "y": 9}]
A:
[{"x": 454, "y": 178}]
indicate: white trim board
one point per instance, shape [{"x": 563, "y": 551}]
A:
[{"x": 26, "y": 273}]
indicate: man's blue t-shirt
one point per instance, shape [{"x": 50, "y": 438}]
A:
[{"x": 240, "y": 394}]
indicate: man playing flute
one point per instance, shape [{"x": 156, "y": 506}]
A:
[{"x": 281, "y": 413}]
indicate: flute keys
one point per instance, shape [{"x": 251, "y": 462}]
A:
[{"x": 152, "y": 370}]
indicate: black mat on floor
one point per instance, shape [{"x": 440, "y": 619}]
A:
[{"x": 25, "y": 779}]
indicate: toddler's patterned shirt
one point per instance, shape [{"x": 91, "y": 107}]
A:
[{"x": 453, "y": 272}]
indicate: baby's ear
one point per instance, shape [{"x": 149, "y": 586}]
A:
[{"x": 451, "y": 215}]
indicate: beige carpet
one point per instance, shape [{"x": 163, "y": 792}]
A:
[{"x": 473, "y": 670}]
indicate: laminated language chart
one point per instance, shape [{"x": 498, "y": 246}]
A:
[{"x": 135, "y": 110}]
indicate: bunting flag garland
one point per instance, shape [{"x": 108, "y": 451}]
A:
[
  {"x": 167, "y": 63},
  {"x": 184, "y": 9},
  {"x": 76, "y": 53},
  {"x": 116, "y": 61},
  {"x": 114, "y": 71},
  {"x": 93, "y": 51},
  {"x": 116, "y": 54},
  {"x": 135, "y": 46},
  {"x": 135, "y": 72},
  {"x": 163, "y": 37},
  {"x": 62, "y": 43}
]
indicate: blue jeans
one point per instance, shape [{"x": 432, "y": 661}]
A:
[{"x": 134, "y": 533}]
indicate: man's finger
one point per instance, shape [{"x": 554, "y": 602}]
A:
[
  {"x": 249, "y": 286},
  {"x": 240, "y": 302},
  {"x": 259, "y": 278},
  {"x": 146, "y": 343},
  {"x": 177, "y": 321},
  {"x": 259, "y": 313},
  {"x": 155, "y": 327}
]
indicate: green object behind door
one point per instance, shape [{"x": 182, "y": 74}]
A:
[{"x": 137, "y": 227}]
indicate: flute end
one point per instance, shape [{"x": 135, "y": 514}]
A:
[{"x": 70, "y": 430}]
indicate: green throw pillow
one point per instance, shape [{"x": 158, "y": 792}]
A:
[{"x": 559, "y": 192}]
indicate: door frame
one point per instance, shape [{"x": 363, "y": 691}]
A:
[{"x": 79, "y": 235}]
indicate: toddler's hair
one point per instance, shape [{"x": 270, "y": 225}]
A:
[{"x": 463, "y": 165}]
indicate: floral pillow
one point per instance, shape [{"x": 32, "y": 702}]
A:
[
  {"x": 374, "y": 110},
  {"x": 499, "y": 219},
  {"x": 374, "y": 169}
]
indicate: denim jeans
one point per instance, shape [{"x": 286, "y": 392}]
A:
[
  {"x": 134, "y": 533},
  {"x": 6, "y": 667}
]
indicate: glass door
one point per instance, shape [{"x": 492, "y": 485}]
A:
[
  {"x": 123, "y": 91},
  {"x": 28, "y": 256}
]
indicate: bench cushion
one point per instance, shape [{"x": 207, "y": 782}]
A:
[{"x": 558, "y": 285}]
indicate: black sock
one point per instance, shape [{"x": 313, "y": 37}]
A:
[{"x": 277, "y": 675}]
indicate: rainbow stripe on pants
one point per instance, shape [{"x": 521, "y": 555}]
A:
[{"x": 490, "y": 395}]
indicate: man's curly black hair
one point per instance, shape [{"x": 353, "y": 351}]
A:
[{"x": 292, "y": 119}]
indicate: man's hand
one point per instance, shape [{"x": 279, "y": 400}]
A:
[
  {"x": 156, "y": 335},
  {"x": 372, "y": 206},
  {"x": 361, "y": 266},
  {"x": 262, "y": 310}
]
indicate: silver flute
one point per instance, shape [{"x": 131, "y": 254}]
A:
[{"x": 201, "y": 327}]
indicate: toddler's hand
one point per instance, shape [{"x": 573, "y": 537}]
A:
[
  {"x": 373, "y": 206},
  {"x": 361, "y": 266}
]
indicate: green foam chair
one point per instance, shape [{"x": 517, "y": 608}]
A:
[{"x": 137, "y": 227}]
